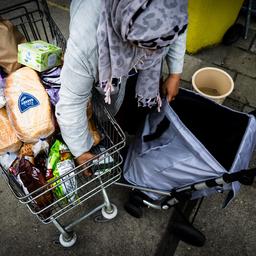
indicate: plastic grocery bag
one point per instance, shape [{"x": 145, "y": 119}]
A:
[
  {"x": 32, "y": 179},
  {"x": 10, "y": 38}
]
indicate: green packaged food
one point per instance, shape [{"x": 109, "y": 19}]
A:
[{"x": 60, "y": 164}]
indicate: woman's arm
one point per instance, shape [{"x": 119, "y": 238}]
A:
[
  {"x": 175, "y": 61},
  {"x": 75, "y": 92}
]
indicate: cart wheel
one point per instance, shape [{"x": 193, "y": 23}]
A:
[
  {"x": 68, "y": 243},
  {"x": 109, "y": 215},
  {"x": 133, "y": 210},
  {"x": 188, "y": 234}
]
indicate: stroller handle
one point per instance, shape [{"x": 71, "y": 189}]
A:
[
  {"x": 183, "y": 194},
  {"x": 245, "y": 177}
]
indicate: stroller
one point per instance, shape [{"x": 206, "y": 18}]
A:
[{"x": 193, "y": 148}]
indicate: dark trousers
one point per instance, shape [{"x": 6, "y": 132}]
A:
[{"x": 131, "y": 117}]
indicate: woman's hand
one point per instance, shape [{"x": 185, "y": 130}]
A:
[
  {"x": 82, "y": 159},
  {"x": 171, "y": 86}
]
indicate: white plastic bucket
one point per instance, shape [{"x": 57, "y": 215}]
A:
[{"x": 213, "y": 83}]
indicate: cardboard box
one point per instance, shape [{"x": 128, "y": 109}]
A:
[{"x": 39, "y": 55}]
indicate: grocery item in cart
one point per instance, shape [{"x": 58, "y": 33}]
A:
[
  {"x": 8, "y": 139},
  {"x": 39, "y": 55},
  {"x": 51, "y": 82},
  {"x": 10, "y": 38},
  {"x": 28, "y": 106},
  {"x": 7, "y": 159},
  {"x": 51, "y": 78},
  {"x": 31, "y": 179},
  {"x": 2, "y": 98},
  {"x": 27, "y": 152},
  {"x": 60, "y": 162},
  {"x": 53, "y": 94},
  {"x": 2, "y": 85},
  {"x": 40, "y": 151},
  {"x": 91, "y": 125}
]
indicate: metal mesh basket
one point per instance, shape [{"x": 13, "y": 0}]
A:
[
  {"x": 104, "y": 171},
  {"x": 33, "y": 19}
]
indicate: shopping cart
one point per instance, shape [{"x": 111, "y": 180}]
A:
[{"x": 34, "y": 21}]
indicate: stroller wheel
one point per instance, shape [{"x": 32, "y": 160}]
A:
[
  {"x": 188, "y": 234},
  {"x": 133, "y": 210},
  {"x": 136, "y": 200},
  {"x": 136, "y": 197}
]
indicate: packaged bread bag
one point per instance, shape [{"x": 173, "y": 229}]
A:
[
  {"x": 8, "y": 139},
  {"x": 28, "y": 105}
]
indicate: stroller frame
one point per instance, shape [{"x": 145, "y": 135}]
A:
[
  {"x": 182, "y": 193},
  {"x": 175, "y": 196},
  {"x": 182, "y": 228}
]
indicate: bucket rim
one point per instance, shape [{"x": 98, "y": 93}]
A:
[{"x": 215, "y": 69}]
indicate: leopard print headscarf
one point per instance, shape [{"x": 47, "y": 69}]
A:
[{"x": 134, "y": 35}]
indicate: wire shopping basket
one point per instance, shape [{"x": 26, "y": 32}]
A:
[{"x": 34, "y": 21}]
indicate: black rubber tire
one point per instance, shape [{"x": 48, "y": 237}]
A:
[
  {"x": 136, "y": 200},
  {"x": 188, "y": 234},
  {"x": 133, "y": 210},
  {"x": 233, "y": 34}
]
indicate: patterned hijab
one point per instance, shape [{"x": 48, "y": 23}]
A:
[{"x": 134, "y": 35}]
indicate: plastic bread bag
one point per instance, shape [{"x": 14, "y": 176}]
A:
[
  {"x": 30, "y": 179},
  {"x": 8, "y": 139},
  {"x": 60, "y": 162},
  {"x": 28, "y": 106}
]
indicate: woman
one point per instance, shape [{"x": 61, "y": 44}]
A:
[{"x": 109, "y": 41}]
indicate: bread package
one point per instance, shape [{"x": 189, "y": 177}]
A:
[
  {"x": 8, "y": 139},
  {"x": 28, "y": 105}
]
